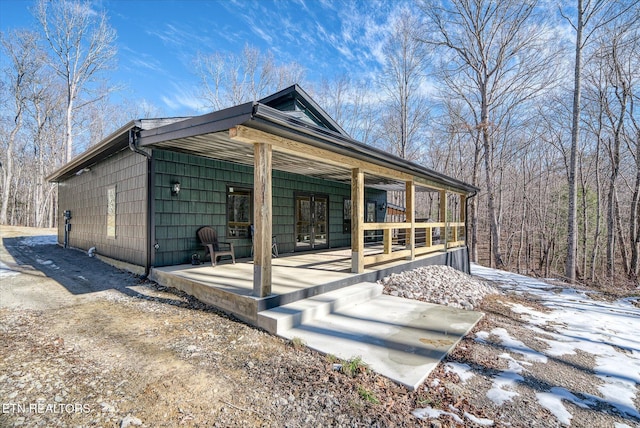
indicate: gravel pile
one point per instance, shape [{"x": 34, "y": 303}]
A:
[{"x": 443, "y": 285}]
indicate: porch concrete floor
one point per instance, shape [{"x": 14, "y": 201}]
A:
[{"x": 290, "y": 272}]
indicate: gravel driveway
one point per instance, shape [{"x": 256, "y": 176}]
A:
[{"x": 84, "y": 344}]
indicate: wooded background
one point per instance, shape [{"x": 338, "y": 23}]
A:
[{"x": 495, "y": 93}]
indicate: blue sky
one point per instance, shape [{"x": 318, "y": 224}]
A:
[{"x": 158, "y": 40}]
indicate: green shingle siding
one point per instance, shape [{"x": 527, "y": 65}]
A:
[{"x": 202, "y": 201}]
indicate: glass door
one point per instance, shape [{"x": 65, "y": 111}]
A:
[
  {"x": 320, "y": 229},
  {"x": 312, "y": 223},
  {"x": 303, "y": 222}
]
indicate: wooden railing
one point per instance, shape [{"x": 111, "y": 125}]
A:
[{"x": 396, "y": 243}]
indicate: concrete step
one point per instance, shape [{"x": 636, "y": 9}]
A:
[
  {"x": 280, "y": 319},
  {"x": 401, "y": 339}
]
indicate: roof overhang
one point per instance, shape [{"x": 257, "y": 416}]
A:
[
  {"x": 114, "y": 143},
  {"x": 209, "y": 136}
]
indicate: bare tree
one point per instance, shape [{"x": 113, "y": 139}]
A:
[
  {"x": 590, "y": 16},
  {"x": 621, "y": 64},
  {"x": 634, "y": 138},
  {"x": 493, "y": 58},
  {"x": 82, "y": 46},
  {"x": 21, "y": 49},
  {"x": 457, "y": 127},
  {"x": 402, "y": 79},
  {"x": 352, "y": 104},
  {"x": 616, "y": 112},
  {"x": 228, "y": 80},
  {"x": 596, "y": 127}
]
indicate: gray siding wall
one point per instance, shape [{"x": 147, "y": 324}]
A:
[
  {"x": 202, "y": 201},
  {"x": 86, "y": 196}
]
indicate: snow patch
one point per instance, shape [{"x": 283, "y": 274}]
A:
[
  {"x": 431, "y": 413},
  {"x": 462, "y": 370},
  {"x": 552, "y": 401},
  {"x": 479, "y": 421},
  {"x": 32, "y": 241},
  {"x": 575, "y": 322},
  {"x": 6, "y": 271},
  {"x": 47, "y": 263},
  {"x": 517, "y": 346},
  {"x": 482, "y": 336},
  {"x": 500, "y": 391}
]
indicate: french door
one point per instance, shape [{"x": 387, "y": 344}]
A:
[{"x": 312, "y": 221}]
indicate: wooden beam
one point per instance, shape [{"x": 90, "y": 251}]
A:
[
  {"x": 387, "y": 241},
  {"x": 262, "y": 220},
  {"x": 431, "y": 184},
  {"x": 382, "y": 226},
  {"x": 379, "y": 258},
  {"x": 432, "y": 249},
  {"x": 410, "y": 190},
  {"x": 463, "y": 216},
  {"x": 428, "y": 241},
  {"x": 357, "y": 220},
  {"x": 443, "y": 217},
  {"x": 285, "y": 145}
]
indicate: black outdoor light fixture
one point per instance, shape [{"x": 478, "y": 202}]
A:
[{"x": 175, "y": 188}]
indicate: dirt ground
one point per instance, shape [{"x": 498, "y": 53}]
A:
[{"x": 85, "y": 344}]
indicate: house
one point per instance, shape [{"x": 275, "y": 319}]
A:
[{"x": 280, "y": 164}]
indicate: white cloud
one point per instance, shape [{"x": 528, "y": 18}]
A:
[{"x": 184, "y": 98}]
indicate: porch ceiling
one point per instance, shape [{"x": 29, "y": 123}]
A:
[{"x": 219, "y": 146}]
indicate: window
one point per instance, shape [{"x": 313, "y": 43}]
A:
[
  {"x": 111, "y": 212},
  {"x": 238, "y": 212},
  {"x": 370, "y": 214},
  {"x": 346, "y": 216}
]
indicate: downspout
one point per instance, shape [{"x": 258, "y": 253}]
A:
[
  {"x": 466, "y": 227},
  {"x": 133, "y": 133}
]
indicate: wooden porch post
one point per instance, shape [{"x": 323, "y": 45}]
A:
[
  {"x": 463, "y": 217},
  {"x": 357, "y": 220},
  {"x": 410, "y": 212},
  {"x": 443, "y": 217},
  {"x": 386, "y": 240},
  {"x": 262, "y": 220}
]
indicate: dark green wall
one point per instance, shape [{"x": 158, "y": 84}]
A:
[{"x": 202, "y": 201}]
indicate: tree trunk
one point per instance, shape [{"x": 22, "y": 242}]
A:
[
  {"x": 634, "y": 229},
  {"x": 572, "y": 232},
  {"x": 69, "y": 128},
  {"x": 596, "y": 235},
  {"x": 585, "y": 223},
  {"x": 8, "y": 168},
  {"x": 494, "y": 227},
  {"x": 611, "y": 232},
  {"x": 621, "y": 241},
  {"x": 523, "y": 217},
  {"x": 474, "y": 202}
]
